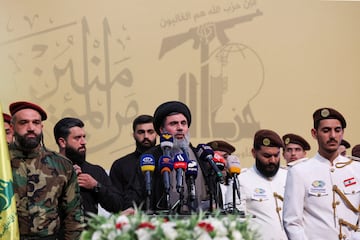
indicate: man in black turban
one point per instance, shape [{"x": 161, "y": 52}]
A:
[{"x": 173, "y": 119}]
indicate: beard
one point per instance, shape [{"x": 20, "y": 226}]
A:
[
  {"x": 74, "y": 155},
  {"x": 268, "y": 170},
  {"x": 182, "y": 143},
  {"x": 27, "y": 142},
  {"x": 145, "y": 145}
]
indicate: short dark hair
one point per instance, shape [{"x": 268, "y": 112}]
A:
[
  {"x": 141, "y": 120},
  {"x": 62, "y": 127}
]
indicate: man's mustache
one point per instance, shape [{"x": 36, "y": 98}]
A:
[{"x": 332, "y": 140}]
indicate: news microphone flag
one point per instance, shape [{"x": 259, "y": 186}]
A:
[
  {"x": 192, "y": 169},
  {"x": 219, "y": 160},
  {"x": 233, "y": 165},
  {"x": 9, "y": 228},
  {"x": 147, "y": 163},
  {"x": 166, "y": 140},
  {"x": 166, "y": 143}
]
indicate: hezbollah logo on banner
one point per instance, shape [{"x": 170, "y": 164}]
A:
[
  {"x": 9, "y": 228},
  {"x": 6, "y": 193}
]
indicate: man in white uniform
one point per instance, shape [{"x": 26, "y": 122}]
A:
[
  {"x": 295, "y": 148},
  {"x": 262, "y": 187},
  {"x": 322, "y": 194}
]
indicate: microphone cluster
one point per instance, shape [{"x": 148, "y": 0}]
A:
[{"x": 185, "y": 168}]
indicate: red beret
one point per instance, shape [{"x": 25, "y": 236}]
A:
[
  {"x": 328, "y": 113},
  {"x": 345, "y": 143},
  {"x": 219, "y": 145},
  {"x": 267, "y": 138},
  {"x": 296, "y": 139},
  {"x": 356, "y": 151},
  {"x": 7, "y": 118},
  {"x": 166, "y": 108},
  {"x": 17, "y": 106}
]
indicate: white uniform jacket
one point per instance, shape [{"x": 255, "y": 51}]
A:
[
  {"x": 290, "y": 164},
  {"x": 257, "y": 199},
  {"x": 309, "y": 198}
]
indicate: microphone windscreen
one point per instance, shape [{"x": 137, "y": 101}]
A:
[
  {"x": 180, "y": 161},
  {"x": 166, "y": 164},
  {"x": 166, "y": 140},
  {"x": 192, "y": 168},
  {"x": 203, "y": 151},
  {"x": 219, "y": 160},
  {"x": 233, "y": 163},
  {"x": 147, "y": 163}
]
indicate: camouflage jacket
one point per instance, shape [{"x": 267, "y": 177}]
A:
[{"x": 47, "y": 194}]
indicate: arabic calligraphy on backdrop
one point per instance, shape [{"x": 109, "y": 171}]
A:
[
  {"x": 102, "y": 77},
  {"x": 94, "y": 81}
]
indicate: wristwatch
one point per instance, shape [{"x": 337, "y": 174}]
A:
[{"x": 97, "y": 187}]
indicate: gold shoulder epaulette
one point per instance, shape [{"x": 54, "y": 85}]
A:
[{"x": 350, "y": 160}]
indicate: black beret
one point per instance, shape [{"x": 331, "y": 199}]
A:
[
  {"x": 267, "y": 138},
  {"x": 356, "y": 151},
  {"x": 219, "y": 145},
  {"x": 17, "y": 106},
  {"x": 166, "y": 108},
  {"x": 328, "y": 113},
  {"x": 345, "y": 143},
  {"x": 7, "y": 118},
  {"x": 296, "y": 139}
]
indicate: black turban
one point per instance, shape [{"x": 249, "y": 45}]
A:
[{"x": 166, "y": 108}]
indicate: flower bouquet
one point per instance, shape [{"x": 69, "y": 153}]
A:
[{"x": 153, "y": 227}]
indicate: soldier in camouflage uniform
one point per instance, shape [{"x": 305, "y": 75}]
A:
[{"x": 45, "y": 184}]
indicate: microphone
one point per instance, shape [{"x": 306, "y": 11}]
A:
[
  {"x": 147, "y": 165},
  {"x": 233, "y": 165},
  {"x": 234, "y": 170},
  {"x": 180, "y": 165},
  {"x": 190, "y": 175},
  {"x": 166, "y": 143},
  {"x": 166, "y": 165},
  {"x": 219, "y": 161},
  {"x": 205, "y": 152}
]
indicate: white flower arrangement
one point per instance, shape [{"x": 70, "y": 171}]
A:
[{"x": 153, "y": 227}]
